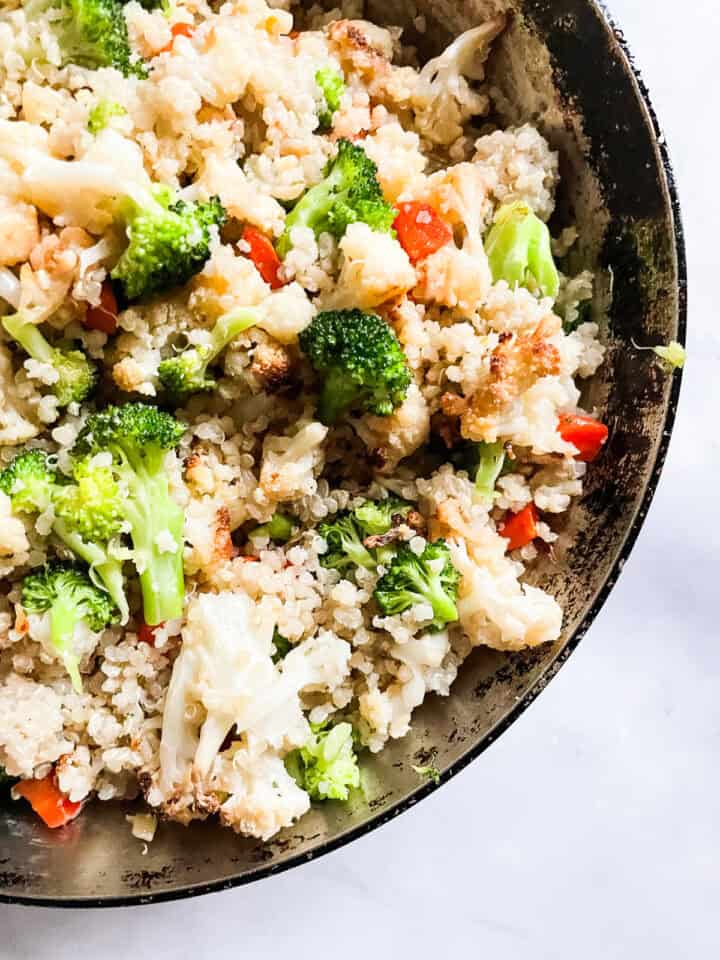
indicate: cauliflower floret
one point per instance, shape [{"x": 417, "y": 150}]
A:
[
  {"x": 375, "y": 269},
  {"x": 290, "y": 464},
  {"x": 18, "y": 230},
  {"x": 424, "y": 669},
  {"x": 224, "y": 679},
  {"x": 443, "y": 100},
  {"x": 31, "y": 726},
  {"x": 398, "y": 436},
  {"x": 399, "y": 160},
  {"x": 242, "y": 198},
  {"x": 226, "y": 281},
  {"x": 287, "y": 312}
]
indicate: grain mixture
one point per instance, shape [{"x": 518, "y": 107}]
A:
[{"x": 288, "y": 397}]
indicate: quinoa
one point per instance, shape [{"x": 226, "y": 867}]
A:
[{"x": 231, "y": 111}]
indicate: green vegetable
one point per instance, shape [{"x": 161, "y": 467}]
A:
[
  {"x": 186, "y": 372},
  {"x": 673, "y": 354},
  {"x": 327, "y": 765},
  {"x": 429, "y": 578},
  {"x": 68, "y": 594},
  {"x": 518, "y": 250},
  {"x": 102, "y": 113},
  {"x": 345, "y": 547},
  {"x": 76, "y": 374},
  {"x": 483, "y": 462},
  {"x": 90, "y": 33},
  {"x": 375, "y": 517},
  {"x": 169, "y": 241},
  {"x": 279, "y": 528},
  {"x": 282, "y": 646},
  {"x": 349, "y": 193},
  {"x": 332, "y": 86},
  {"x": 138, "y": 436},
  {"x": 86, "y": 513},
  {"x": 430, "y": 772},
  {"x": 361, "y": 363}
]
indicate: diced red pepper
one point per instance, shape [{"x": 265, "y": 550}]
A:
[
  {"x": 520, "y": 528},
  {"x": 46, "y": 799},
  {"x": 585, "y": 433},
  {"x": 263, "y": 255},
  {"x": 104, "y": 316},
  {"x": 178, "y": 30},
  {"x": 420, "y": 230},
  {"x": 146, "y": 633}
]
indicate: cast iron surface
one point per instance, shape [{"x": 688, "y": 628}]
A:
[{"x": 564, "y": 66}]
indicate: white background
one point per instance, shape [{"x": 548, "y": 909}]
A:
[{"x": 591, "y": 829}]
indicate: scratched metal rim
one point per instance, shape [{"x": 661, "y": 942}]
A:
[{"x": 633, "y": 530}]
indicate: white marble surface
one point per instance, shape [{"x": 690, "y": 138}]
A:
[{"x": 591, "y": 828}]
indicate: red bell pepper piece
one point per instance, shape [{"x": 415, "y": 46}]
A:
[
  {"x": 585, "y": 433},
  {"x": 420, "y": 230},
  {"x": 104, "y": 316},
  {"x": 263, "y": 255},
  {"x": 48, "y": 802},
  {"x": 520, "y": 528}
]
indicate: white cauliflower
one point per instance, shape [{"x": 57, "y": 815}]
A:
[
  {"x": 290, "y": 464},
  {"x": 398, "y": 436},
  {"x": 443, "y": 100},
  {"x": 224, "y": 679},
  {"x": 13, "y": 538},
  {"x": 375, "y": 268},
  {"x": 399, "y": 159}
]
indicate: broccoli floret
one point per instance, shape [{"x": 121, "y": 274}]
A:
[
  {"x": 361, "y": 363},
  {"x": 326, "y": 767},
  {"x": 169, "y": 241},
  {"x": 76, "y": 375},
  {"x": 279, "y": 528},
  {"x": 102, "y": 113},
  {"x": 345, "y": 548},
  {"x": 70, "y": 596},
  {"x": 83, "y": 525},
  {"x": 138, "y": 436},
  {"x": 91, "y": 33},
  {"x": 349, "y": 192},
  {"x": 375, "y": 517},
  {"x": 186, "y": 372},
  {"x": 282, "y": 646},
  {"x": 429, "y": 578},
  {"x": 331, "y": 86},
  {"x": 518, "y": 250},
  {"x": 29, "y": 481}
]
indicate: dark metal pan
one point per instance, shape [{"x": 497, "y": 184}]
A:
[{"x": 563, "y": 65}]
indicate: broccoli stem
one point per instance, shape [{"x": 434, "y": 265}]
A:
[
  {"x": 229, "y": 326},
  {"x": 64, "y": 616},
  {"x": 152, "y": 512},
  {"x": 109, "y": 570},
  {"x": 29, "y": 337},
  {"x": 430, "y": 586},
  {"x": 492, "y": 458}
]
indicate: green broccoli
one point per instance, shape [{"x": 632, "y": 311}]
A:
[
  {"x": 68, "y": 594},
  {"x": 76, "y": 375},
  {"x": 331, "y": 86},
  {"x": 361, "y": 363},
  {"x": 102, "y": 113},
  {"x": 326, "y": 766},
  {"x": 86, "y": 512},
  {"x": 186, "y": 372},
  {"x": 138, "y": 436},
  {"x": 90, "y": 33},
  {"x": 375, "y": 517},
  {"x": 345, "y": 548},
  {"x": 279, "y": 528},
  {"x": 518, "y": 250},
  {"x": 169, "y": 241},
  {"x": 483, "y": 462},
  {"x": 429, "y": 578},
  {"x": 348, "y": 193}
]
